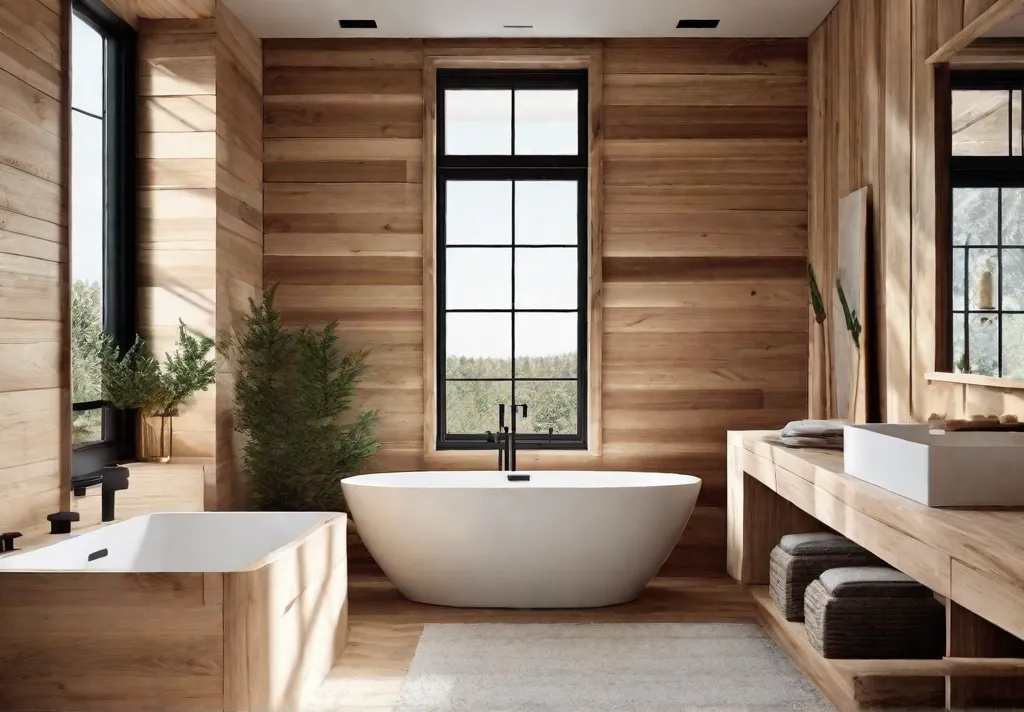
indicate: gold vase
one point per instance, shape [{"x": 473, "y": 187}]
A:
[{"x": 156, "y": 436}]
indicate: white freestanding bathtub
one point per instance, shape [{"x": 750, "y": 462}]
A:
[
  {"x": 560, "y": 540},
  {"x": 241, "y": 611}
]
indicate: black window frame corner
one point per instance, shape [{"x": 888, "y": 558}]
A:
[
  {"x": 120, "y": 243},
  {"x": 515, "y": 167},
  {"x": 963, "y": 172}
]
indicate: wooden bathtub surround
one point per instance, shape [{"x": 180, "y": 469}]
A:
[
  {"x": 970, "y": 558},
  {"x": 247, "y": 641}
]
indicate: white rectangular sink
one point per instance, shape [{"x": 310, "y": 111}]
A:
[{"x": 937, "y": 468}]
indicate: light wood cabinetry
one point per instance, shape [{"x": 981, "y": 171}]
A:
[{"x": 970, "y": 558}]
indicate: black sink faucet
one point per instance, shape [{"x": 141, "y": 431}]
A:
[{"x": 115, "y": 479}]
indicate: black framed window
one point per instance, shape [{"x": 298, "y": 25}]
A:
[
  {"x": 103, "y": 235},
  {"x": 512, "y": 257}
]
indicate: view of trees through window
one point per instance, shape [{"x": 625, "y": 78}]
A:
[
  {"x": 987, "y": 267},
  {"x": 511, "y": 224},
  {"x": 88, "y": 48}
]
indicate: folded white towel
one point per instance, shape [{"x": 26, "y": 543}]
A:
[{"x": 813, "y": 429}]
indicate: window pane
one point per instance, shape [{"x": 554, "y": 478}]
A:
[
  {"x": 959, "y": 276},
  {"x": 959, "y": 364},
  {"x": 478, "y": 122},
  {"x": 546, "y": 345},
  {"x": 546, "y": 278},
  {"x": 1013, "y": 279},
  {"x": 478, "y": 213},
  {"x": 983, "y": 273},
  {"x": 552, "y": 404},
  {"x": 546, "y": 213},
  {"x": 1013, "y": 216},
  {"x": 981, "y": 123},
  {"x": 975, "y": 216},
  {"x": 478, "y": 345},
  {"x": 87, "y": 61},
  {"x": 546, "y": 122},
  {"x": 87, "y": 427},
  {"x": 983, "y": 340},
  {"x": 87, "y": 271},
  {"x": 1013, "y": 345},
  {"x": 472, "y": 406},
  {"x": 478, "y": 278}
]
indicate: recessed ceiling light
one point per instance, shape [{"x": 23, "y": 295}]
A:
[
  {"x": 518, "y": 27},
  {"x": 697, "y": 24},
  {"x": 358, "y": 24}
]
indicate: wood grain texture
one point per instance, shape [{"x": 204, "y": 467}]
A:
[
  {"x": 852, "y": 685},
  {"x": 698, "y": 224},
  {"x": 970, "y": 636},
  {"x": 156, "y": 645},
  {"x": 33, "y": 262},
  {"x": 879, "y": 129},
  {"x": 154, "y": 487},
  {"x": 255, "y": 640},
  {"x": 239, "y": 228},
  {"x": 968, "y": 557},
  {"x": 177, "y": 188},
  {"x": 998, "y": 12},
  {"x": 286, "y": 622}
]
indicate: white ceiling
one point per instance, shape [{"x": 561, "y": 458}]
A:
[{"x": 550, "y": 18}]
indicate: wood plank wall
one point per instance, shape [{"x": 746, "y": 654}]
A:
[
  {"x": 178, "y": 200},
  {"x": 239, "y": 229},
  {"x": 705, "y": 216},
  {"x": 874, "y": 124},
  {"x": 34, "y": 387},
  {"x": 201, "y": 207}
]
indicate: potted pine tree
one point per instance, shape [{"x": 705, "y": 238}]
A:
[
  {"x": 293, "y": 405},
  {"x": 135, "y": 380}
]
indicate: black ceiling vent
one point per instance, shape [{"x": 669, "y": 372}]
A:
[
  {"x": 697, "y": 24},
  {"x": 358, "y": 24}
]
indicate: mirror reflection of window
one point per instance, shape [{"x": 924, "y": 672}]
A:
[{"x": 987, "y": 265}]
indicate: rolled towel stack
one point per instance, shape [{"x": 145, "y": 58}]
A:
[{"x": 813, "y": 433}]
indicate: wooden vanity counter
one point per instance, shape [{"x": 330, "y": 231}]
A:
[{"x": 973, "y": 559}]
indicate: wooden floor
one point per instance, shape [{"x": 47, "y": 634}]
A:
[{"x": 384, "y": 629}]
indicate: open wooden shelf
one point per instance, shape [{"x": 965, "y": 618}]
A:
[{"x": 852, "y": 685}]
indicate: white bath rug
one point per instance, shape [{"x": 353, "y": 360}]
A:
[{"x": 653, "y": 667}]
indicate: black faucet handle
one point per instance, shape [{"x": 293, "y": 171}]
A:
[
  {"x": 524, "y": 410},
  {"x": 115, "y": 478},
  {"x": 551, "y": 435},
  {"x": 60, "y": 522},
  {"x": 7, "y": 541}
]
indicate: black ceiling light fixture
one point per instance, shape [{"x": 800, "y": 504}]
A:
[
  {"x": 697, "y": 24},
  {"x": 358, "y": 24}
]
